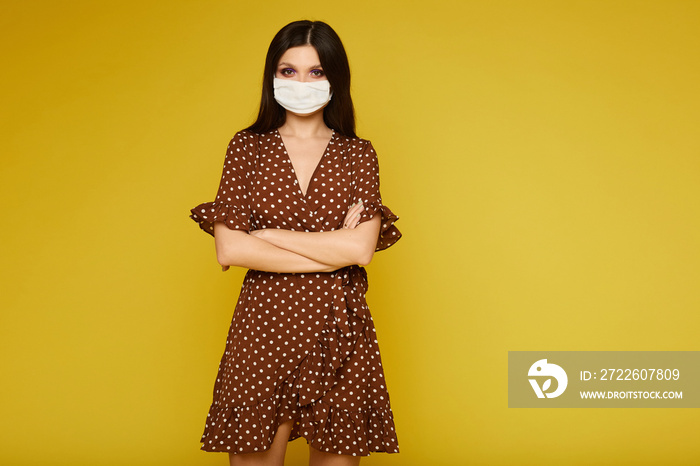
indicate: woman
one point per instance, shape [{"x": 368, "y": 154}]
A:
[{"x": 299, "y": 206}]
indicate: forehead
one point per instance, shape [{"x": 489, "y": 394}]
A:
[{"x": 301, "y": 56}]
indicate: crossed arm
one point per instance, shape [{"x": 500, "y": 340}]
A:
[{"x": 287, "y": 251}]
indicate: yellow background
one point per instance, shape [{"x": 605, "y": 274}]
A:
[{"x": 543, "y": 157}]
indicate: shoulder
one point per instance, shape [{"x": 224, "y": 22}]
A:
[
  {"x": 355, "y": 145},
  {"x": 243, "y": 148},
  {"x": 246, "y": 137}
]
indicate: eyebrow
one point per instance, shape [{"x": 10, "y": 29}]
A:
[{"x": 293, "y": 66}]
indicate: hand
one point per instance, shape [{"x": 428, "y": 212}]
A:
[{"x": 352, "y": 218}]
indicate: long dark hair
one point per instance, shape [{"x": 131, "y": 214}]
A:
[{"x": 339, "y": 114}]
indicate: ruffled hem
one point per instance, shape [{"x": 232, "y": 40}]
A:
[
  {"x": 209, "y": 212},
  {"x": 251, "y": 428},
  {"x": 357, "y": 433},
  {"x": 388, "y": 233}
]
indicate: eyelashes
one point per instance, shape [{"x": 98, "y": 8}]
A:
[{"x": 316, "y": 73}]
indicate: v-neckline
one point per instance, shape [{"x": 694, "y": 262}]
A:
[{"x": 318, "y": 165}]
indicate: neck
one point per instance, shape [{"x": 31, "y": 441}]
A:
[{"x": 305, "y": 126}]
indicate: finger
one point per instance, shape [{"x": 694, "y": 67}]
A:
[
  {"x": 354, "y": 221},
  {"x": 355, "y": 205},
  {"x": 352, "y": 218},
  {"x": 348, "y": 218},
  {"x": 354, "y": 210},
  {"x": 353, "y": 214}
]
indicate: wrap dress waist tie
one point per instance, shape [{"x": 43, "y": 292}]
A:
[{"x": 344, "y": 325}]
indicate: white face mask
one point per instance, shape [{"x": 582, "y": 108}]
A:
[{"x": 302, "y": 98}]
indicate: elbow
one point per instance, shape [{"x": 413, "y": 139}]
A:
[
  {"x": 222, "y": 257},
  {"x": 230, "y": 245},
  {"x": 368, "y": 244},
  {"x": 365, "y": 257},
  {"x": 226, "y": 255}
]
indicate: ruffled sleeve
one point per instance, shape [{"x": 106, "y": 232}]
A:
[
  {"x": 366, "y": 171},
  {"x": 232, "y": 203}
]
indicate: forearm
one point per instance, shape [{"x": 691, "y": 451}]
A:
[
  {"x": 338, "y": 247},
  {"x": 238, "y": 248}
]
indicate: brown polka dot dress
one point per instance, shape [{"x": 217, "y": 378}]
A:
[{"x": 301, "y": 346}]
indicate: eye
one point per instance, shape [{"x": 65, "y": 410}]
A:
[
  {"x": 317, "y": 73},
  {"x": 287, "y": 72}
]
